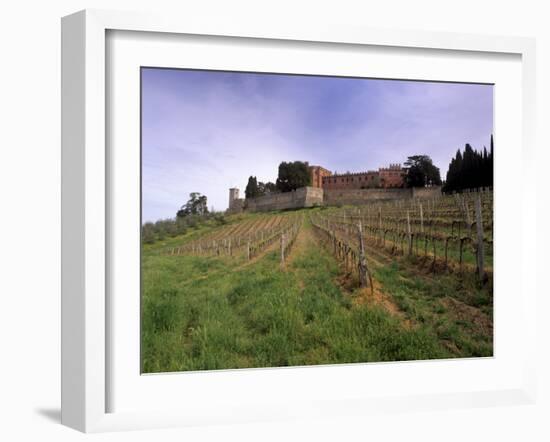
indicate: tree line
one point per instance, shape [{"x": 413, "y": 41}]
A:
[
  {"x": 470, "y": 169},
  {"x": 420, "y": 172},
  {"x": 255, "y": 188},
  {"x": 467, "y": 170},
  {"x": 192, "y": 215},
  {"x": 291, "y": 176}
]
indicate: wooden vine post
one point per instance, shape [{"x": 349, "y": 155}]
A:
[
  {"x": 409, "y": 234},
  {"x": 363, "y": 269},
  {"x": 283, "y": 240},
  {"x": 380, "y": 224},
  {"x": 248, "y": 250},
  {"x": 421, "y": 219},
  {"x": 480, "y": 248}
]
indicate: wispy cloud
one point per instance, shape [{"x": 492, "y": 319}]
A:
[{"x": 208, "y": 131}]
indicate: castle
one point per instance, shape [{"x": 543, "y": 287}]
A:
[
  {"x": 331, "y": 189},
  {"x": 392, "y": 177}
]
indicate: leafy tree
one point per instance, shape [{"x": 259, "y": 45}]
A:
[
  {"x": 181, "y": 225},
  {"x": 293, "y": 175},
  {"x": 421, "y": 171},
  {"x": 255, "y": 188},
  {"x": 267, "y": 188},
  {"x": 196, "y": 205},
  {"x": 192, "y": 221},
  {"x": 165, "y": 227},
  {"x": 160, "y": 228},
  {"x": 490, "y": 169},
  {"x": 470, "y": 170},
  {"x": 252, "y": 190},
  {"x": 220, "y": 219},
  {"x": 148, "y": 233},
  {"x": 171, "y": 227}
]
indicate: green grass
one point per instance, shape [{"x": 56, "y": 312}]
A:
[
  {"x": 216, "y": 313},
  {"x": 196, "y": 232},
  {"x": 469, "y": 256},
  {"x": 466, "y": 330}
]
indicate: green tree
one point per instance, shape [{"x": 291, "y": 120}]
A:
[
  {"x": 148, "y": 233},
  {"x": 470, "y": 170},
  {"x": 196, "y": 205},
  {"x": 293, "y": 175},
  {"x": 252, "y": 190},
  {"x": 266, "y": 188},
  {"x": 181, "y": 225},
  {"x": 421, "y": 171}
]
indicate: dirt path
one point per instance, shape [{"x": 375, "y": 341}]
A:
[
  {"x": 307, "y": 240},
  {"x": 304, "y": 241}
]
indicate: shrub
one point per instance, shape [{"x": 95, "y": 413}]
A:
[{"x": 148, "y": 233}]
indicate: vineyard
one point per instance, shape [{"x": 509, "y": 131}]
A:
[
  {"x": 399, "y": 280},
  {"x": 249, "y": 238},
  {"x": 448, "y": 233}
]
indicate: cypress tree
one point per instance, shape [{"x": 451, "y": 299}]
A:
[
  {"x": 251, "y": 190},
  {"x": 470, "y": 170}
]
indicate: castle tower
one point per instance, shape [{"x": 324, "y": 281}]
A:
[
  {"x": 317, "y": 174},
  {"x": 233, "y": 195}
]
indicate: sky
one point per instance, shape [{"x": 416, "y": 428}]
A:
[{"x": 207, "y": 131}]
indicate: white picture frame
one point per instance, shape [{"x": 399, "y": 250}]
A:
[{"x": 86, "y": 356}]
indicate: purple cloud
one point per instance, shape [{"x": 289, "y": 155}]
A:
[{"x": 205, "y": 131}]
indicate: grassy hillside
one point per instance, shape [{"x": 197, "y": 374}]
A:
[{"x": 222, "y": 312}]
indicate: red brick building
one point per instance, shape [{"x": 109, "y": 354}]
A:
[
  {"x": 351, "y": 180},
  {"x": 392, "y": 177},
  {"x": 318, "y": 173},
  {"x": 384, "y": 178}
]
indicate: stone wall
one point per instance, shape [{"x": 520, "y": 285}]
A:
[
  {"x": 303, "y": 197},
  {"x": 313, "y": 196},
  {"x": 236, "y": 205},
  {"x": 340, "y": 197},
  {"x": 426, "y": 192}
]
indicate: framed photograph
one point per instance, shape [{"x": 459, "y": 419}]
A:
[{"x": 263, "y": 224}]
